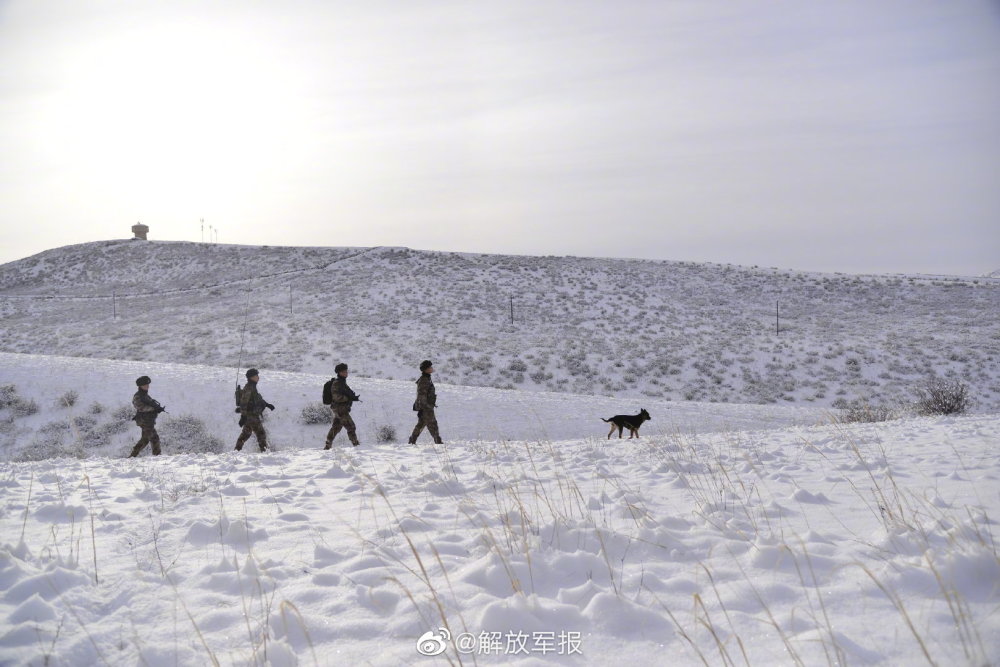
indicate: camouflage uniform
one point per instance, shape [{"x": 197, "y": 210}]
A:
[
  {"x": 252, "y": 406},
  {"x": 342, "y": 397},
  {"x": 146, "y": 410},
  {"x": 424, "y": 405}
]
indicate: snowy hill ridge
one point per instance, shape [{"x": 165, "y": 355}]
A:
[{"x": 625, "y": 328}]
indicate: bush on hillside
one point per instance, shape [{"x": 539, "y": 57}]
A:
[
  {"x": 19, "y": 407},
  {"x": 185, "y": 434},
  {"x": 123, "y": 414},
  {"x": 8, "y": 396},
  {"x": 120, "y": 420},
  {"x": 51, "y": 441},
  {"x": 864, "y": 411},
  {"x": 316, "y": 413},
  {"x": 385, "y": 434},
  {"x": 24, "y": 407},
  {"x": 68, "y": 399},
  {"x": 939, "y": 396},
  {"x": 87, "y": 433}
]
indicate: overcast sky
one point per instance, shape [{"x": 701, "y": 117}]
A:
[{"x": 828, "y": 135}]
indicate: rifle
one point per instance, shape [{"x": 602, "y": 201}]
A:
[{"x": 243, "y": 333}]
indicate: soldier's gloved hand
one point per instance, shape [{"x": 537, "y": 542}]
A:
[
  {"x": 270, "y": 406},
  {"x": 357, "y": 397},
  {"x": 160, "y": 409}
]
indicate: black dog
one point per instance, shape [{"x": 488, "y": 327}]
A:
[{"x": 631, "y": 422}]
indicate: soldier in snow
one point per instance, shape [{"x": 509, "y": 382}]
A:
[
  {"x": 252, "y": 406},
  {"x": 146, "y": 411},
  {"x": 342, "y": 397},
  {"x": 425, "y": 404}
]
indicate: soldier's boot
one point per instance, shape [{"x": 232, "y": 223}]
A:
[
  {"x": 414, "y": 436},
  {"x": 436, "y": 435},
  {"x": 239, "y": 445},
  {"x": 354, "y": 439},
  {"x": 136, "y": 450},
  {"x": 262, "y": 444},
  {"x": 328, "y": 445}
]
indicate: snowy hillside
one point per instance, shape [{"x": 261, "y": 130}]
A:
[
  {"x": 622, "y": 328},
  {"x": 750, "y": 535},
  {"x": 39, "y": 424}
]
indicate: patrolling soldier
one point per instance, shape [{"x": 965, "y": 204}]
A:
[
  {"x": 146, "y": 411},
  {"x": 425, "y": 404},
  {"x": 342, "y": 397},
  {"x": 252, "y": 406}
]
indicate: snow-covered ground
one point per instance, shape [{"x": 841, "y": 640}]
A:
[
  {"x": 727, "y": 534},
  {"x": 747, "y": 525}
]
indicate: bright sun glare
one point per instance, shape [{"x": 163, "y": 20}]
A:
[{"x": 179, "y": 116}]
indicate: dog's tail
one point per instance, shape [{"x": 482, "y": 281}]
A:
[{"x": 606, "y": 421}]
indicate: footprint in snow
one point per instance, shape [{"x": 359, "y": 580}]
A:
[
  {"x": 34, "y": 609},
  {"x": 804, "y": 496},
  {"x": 323, "y": 556},
  {"x": 60, "y": 513}
]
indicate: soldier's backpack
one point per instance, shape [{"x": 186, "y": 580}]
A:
[
  {"x": 328, "y": 392},
  {"x": 239, "y": 392}
]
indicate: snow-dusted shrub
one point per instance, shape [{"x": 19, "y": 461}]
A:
[
  {"x": 119, "y": 422},
  {"x": 95, "y": 408},
  {"x": 86, "y": 433},
  {"x": 123, "y": 414},
  {"x": 19, "y": 406},
  {"x": 576, "y": 365},
  {"x": 540, "y": 376},
  {"x": 8, "y": 396},
  {"x": 185, "y": 434},
  {"x": 316, "y": 413},
  {"x": 51, "y": 441},
  {"x": 863, "y": 410},
  {"x": 385, "y": 434},
  {"x": 518, "y": 366},
  {"x": 82, "y": 423},
  {"x": 939, "y": 396},
  {"x": 23, "y": 407},
  {"x": 68, "y": 399},
  {"x": 483, "y": 364}
]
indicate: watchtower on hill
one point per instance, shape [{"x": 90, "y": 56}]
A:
[{"x": 140, "y": 230}]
